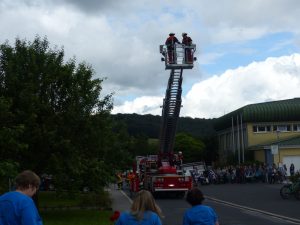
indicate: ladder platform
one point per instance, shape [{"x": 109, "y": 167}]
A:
[
  {"x": 179, "y": 66},
  {"x": 178, "y": 57}
]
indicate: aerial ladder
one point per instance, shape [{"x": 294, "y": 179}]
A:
[
  {"x": 161, "y": 173},
  {"x": 183, "y": 59}
]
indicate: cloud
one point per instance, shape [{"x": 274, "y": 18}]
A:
[
  {"x": 272, "y": 79},
  {"x": 120, "y": 38},
  {"x": 141, "y": 105}
]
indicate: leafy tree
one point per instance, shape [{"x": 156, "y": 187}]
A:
[
  {"x": 8, "y": 171},
  {"x": 10, "y": 133},
  {"x": 52, "y": 117},
  {"x": 211, "y": 154},
  {"x": 191, "y": 147}
]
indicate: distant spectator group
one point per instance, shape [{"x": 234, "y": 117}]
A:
[{"x": 243, "y": 174}]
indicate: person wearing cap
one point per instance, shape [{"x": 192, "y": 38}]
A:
[
  {"x": 170, "y": 43},
  {"x": 187, "y": 41},
  {"x": 198, "y": 214}
]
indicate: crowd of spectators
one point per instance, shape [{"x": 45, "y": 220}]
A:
[{"x": 241, "y": 174}]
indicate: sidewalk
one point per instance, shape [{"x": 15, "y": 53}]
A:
[{"x": 120, "y": 201}]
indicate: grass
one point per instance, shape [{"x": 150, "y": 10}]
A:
[
  {"x": 51, "y": 199},
  {"x": 69, "y": 210},
  {"x": 76, "y": 217}
]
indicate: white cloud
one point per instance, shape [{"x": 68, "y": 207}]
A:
[
  {"x": 272, "y": 79},
  {"x": 141, "y": 105},
  {"x": 120, "y": 38}
]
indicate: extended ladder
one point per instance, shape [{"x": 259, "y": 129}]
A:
[{"x": 170, "y": 112}]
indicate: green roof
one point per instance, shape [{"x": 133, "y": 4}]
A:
[
  {"x": 279, "y": 111},
  {"x": 289, "y": 142}
]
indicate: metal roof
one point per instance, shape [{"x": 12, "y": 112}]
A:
[{"x": 279, "y": 111}]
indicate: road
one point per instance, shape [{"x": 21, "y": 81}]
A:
[{"x": 239, "y": 204}]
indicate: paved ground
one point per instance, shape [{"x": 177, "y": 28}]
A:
[
  {"x": 257, "y": 195},
  {"x": 121, "y": 202}
]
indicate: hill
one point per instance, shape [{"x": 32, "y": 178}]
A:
[{"x": 149, "y": 125}]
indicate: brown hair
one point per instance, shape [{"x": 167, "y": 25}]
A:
[
  {"x": 142, "y": 202},
  {"x": 26, "y": 179},
  {"x": 195, "y": 196}
]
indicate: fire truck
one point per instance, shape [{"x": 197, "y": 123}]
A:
[{"x": 162, "y": 173}]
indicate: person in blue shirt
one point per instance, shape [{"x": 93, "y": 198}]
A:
[
  {"x": 17, "y": 207},
  {"x": 199, "y": 214},
  {"x": 144, "y": 211}
]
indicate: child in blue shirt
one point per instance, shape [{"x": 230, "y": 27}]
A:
[{"x": 198, "y": 214}]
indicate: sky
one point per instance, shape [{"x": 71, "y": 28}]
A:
[{"x": 247, "y": 51}]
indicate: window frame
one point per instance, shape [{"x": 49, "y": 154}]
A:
[
  {"x": 282, "y": 128},
  {"x": 261, "y": 128},
  {"x": 297, "y": 127}
]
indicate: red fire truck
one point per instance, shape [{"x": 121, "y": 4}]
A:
[{"x": 163, "y": 172}]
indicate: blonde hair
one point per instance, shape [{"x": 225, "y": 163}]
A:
[{"x": 142, "y": 202}]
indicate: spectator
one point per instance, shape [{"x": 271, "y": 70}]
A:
[
  {"x": 292, "y": 169},
  {"x": 119, "y": 180},
  {"x": 198, "y": 214},
  {"x": 17, "y": 207},
  {"x": 285, "y": 170},
  {"x": 144, "y": 211},
  {"x": 281, "y": 172}
]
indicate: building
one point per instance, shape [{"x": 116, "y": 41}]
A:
[{"x": 267, "y": 132}]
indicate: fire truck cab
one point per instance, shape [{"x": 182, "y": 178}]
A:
[{"x": 160, "y": 179}]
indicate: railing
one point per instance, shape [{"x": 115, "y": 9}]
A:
[{"x": 180, "y": 56}]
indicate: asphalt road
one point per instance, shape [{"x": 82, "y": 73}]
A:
[{"x": 239, "y": 204}]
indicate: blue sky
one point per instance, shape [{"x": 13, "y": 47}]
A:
[
  {"x": 241, "y": 46},
  {"x": 237, "y": 54}
]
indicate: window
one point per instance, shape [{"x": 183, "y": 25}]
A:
[
  {"x": 282, "y": 128},
  {"x": 296, "y": 127},
  {"x": 261, "y": 128}
]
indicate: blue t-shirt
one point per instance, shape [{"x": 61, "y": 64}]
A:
[
  {"x": 150, "y": 218},
  {"x": 200, "y": 215},
  {"x": 18, "y": 209}
]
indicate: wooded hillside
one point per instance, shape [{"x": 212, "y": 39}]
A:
[{"x": 149, "y": 125}]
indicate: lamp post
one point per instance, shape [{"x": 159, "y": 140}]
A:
[{"x": 277, "y": 134}]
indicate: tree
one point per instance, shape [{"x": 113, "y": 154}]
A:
[
  {"x": 52, "y": 117},
  {"x": 191, "y": 147},
  {"x": 10, "y": 133},
  {"x": 8, "y": 171}
]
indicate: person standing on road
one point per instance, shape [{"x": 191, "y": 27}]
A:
[
  {"x": 144, "y": 211},
  {"x": 17, "y": 207},
  {"x": 292, "y": 169},
  {"x": 198, "y": 214}
]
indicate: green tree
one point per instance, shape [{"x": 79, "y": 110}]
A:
[
  {"x": 192, "y": 148},
  {"x": 8, "y": 171},
  {"x": 10, "y": 133},
  {"x": 52, "y": 117}
]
